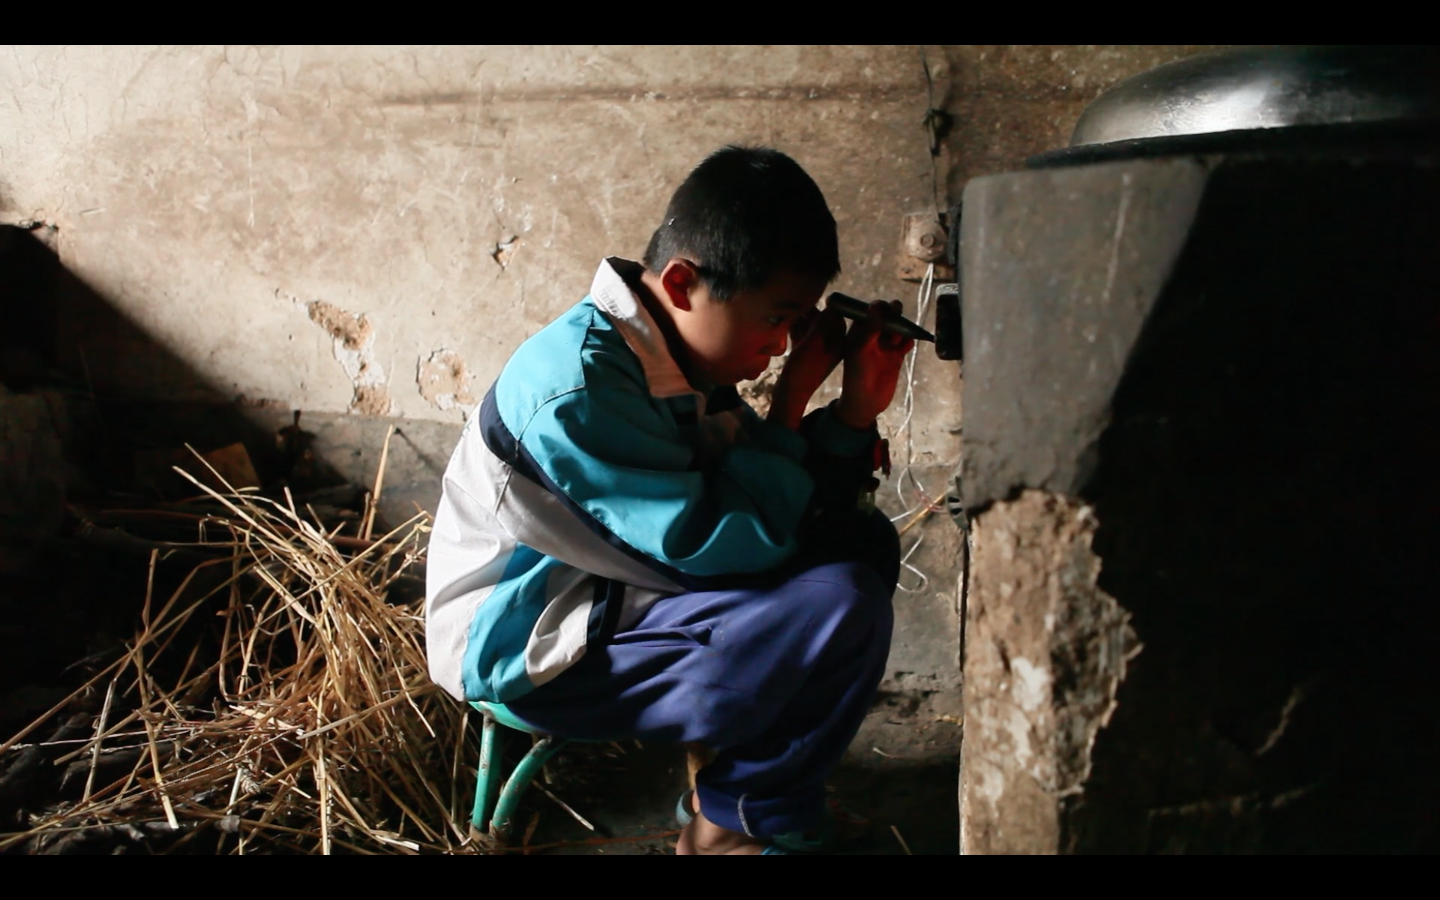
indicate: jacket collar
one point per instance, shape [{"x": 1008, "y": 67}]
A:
[{"x": 615, "y": 298}]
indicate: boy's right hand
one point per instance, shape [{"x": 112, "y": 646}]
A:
[
  {"x": 873, "y": 358},
  {"x": 817, "y": 347}
]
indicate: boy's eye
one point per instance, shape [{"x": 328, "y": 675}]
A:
[{"x": 774, "y": 320}]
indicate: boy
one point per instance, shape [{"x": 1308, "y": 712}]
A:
[{"x": 624, "y": 549}]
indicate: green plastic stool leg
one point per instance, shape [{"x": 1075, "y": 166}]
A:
[
  {"x": 487, "y": 778},
  {"x": 519, "y": 780}
]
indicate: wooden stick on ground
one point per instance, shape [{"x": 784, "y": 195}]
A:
[
  {"x": 565, "y": 806},
  {"x": 99, "y": 732},
  {"x": 373, "y": 503}
]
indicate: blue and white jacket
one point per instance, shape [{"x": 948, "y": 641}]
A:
[{"x": 593, "y": 480}]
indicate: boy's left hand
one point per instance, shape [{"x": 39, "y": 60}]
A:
[{"x": 817, "y": 345}]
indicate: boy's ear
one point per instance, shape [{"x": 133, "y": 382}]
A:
[{"x": 679, "y": 278}]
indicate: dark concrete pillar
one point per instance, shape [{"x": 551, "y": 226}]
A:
[{"x": 1201, "y": 426}]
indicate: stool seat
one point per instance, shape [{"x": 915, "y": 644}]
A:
[{"x": 502, "y": 714}]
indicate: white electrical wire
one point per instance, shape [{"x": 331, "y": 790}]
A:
[
  {"x": 927, "y": 286},
  {"x": 905, "y": 561},
  {"x": 907, "y": 473}
]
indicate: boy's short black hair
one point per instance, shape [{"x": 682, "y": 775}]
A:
[{"x": 743, "y": 215}]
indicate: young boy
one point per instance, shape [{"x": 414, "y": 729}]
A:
[{"x": 624, "y": 549}]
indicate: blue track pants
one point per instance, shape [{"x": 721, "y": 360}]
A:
[{"x": 774, "y": 680}]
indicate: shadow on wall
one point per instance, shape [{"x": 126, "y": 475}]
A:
[
  {"x": 105, "y": 382},
  {"x": 87, "y": 481}
]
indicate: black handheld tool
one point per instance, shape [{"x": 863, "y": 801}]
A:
[{"x": 851, "y": 308}]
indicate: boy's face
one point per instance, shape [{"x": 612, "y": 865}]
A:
[{"x": 734, "y": 340}]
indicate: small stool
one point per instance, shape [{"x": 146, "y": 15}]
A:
[{"x": 499, "y": 823}]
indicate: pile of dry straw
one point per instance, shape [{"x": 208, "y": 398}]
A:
[{"x": 275, "y": 702}]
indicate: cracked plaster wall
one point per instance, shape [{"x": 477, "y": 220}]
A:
[
  {"x": 457, "y": 199},
  {"x": 452, "y": 199}
]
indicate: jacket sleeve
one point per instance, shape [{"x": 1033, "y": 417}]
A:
[
  {"x": 620, "y": 459},
  {"x": 841, "y": 461}
]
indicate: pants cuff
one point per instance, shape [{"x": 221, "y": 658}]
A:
[{"x": 762, "y": 817}]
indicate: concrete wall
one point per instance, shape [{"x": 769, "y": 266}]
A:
[
  {"x": 314, "y": 226},
  {"x": 372, "y": 231},
  {"x": 249, "y": 207}
]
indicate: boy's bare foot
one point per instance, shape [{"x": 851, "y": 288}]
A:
[{"x": 703, "y": 837}]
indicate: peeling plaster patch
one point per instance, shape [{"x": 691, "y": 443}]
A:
[
  {"x": 371, "y": 400},
  {"x": 760, "y": 392},
  {"x": 505, "y": 250},
  {"x": 351, "y": 330},
  {"x": 354, "y": 349},
  {"x": 1020, "y": 728},
  {"x": 44, "y": 232},
  {"x": 1032, "y": 683},
  {"x": 1046, "y": 652},
  {"x": 990, "y": 783},
  {"x": 444, "y": 380}
]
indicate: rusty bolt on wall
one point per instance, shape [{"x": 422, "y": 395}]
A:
[{"x": 922, "y": 242}]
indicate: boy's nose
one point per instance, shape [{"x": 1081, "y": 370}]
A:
[{"x": 777, "y": 347}]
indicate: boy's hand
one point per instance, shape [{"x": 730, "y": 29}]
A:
[
  {"x": 817, "y": 346},
  {"x": 873, "y": 358}
]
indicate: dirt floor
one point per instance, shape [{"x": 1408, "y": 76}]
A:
[{"x": 900, "y": 773}]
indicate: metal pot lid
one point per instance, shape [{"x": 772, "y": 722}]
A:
[{"x": 1268, "y": 87}]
